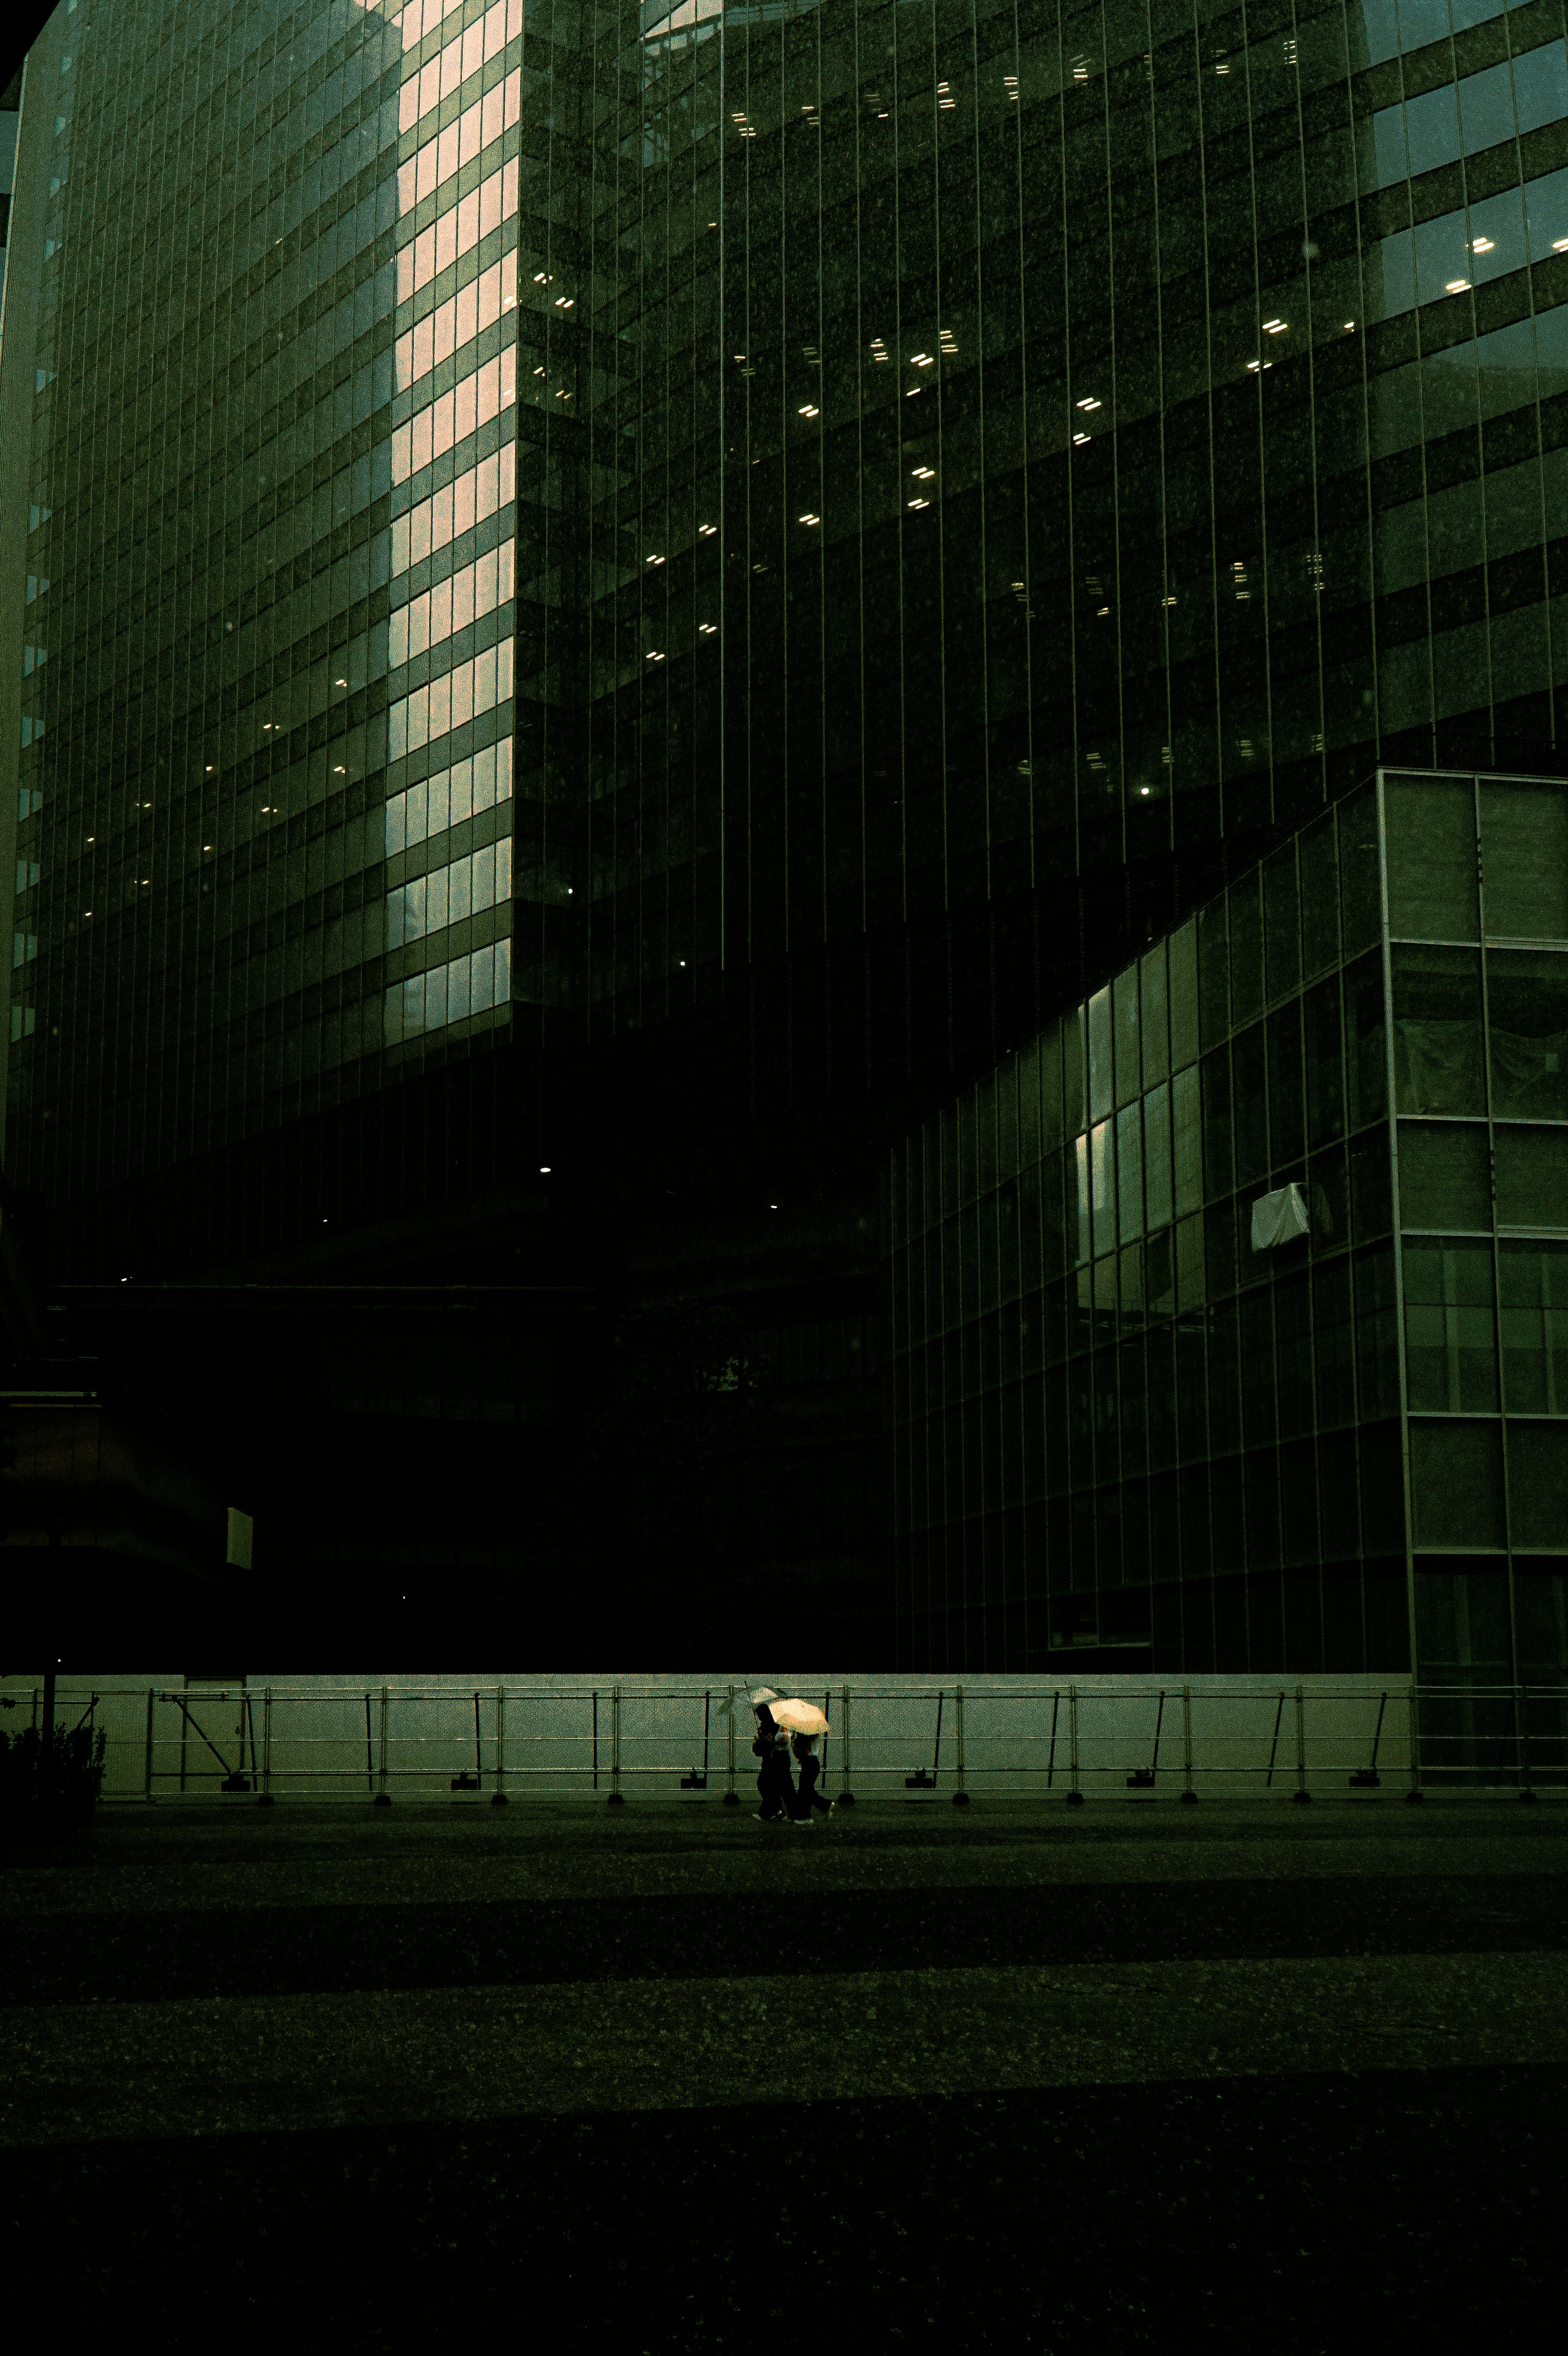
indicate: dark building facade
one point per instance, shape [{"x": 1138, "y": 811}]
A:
[
  {"x": 1143, "y": 1419},
  {"x": 620, "y": 601}
]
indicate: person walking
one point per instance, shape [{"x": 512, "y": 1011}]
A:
[
  {"x": 770, "y": 1747},
  {"x": 810, "y": 1803}
]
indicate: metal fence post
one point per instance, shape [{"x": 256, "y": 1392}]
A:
[
  {"x": 1527, "y": 1790},
  {"x": 266, "y": 1799},
  {"x": 499, "y": 1796},
  {"x": 1188, "y": 1791},
  {"x": 617, "y": 1797},
  {"x": 148, "y": 1770},
  {"x": 731, "y": 1797},
  {"x": 846, "y": 1797},
  {"x": 960, "y": 1796},
  {"x": 383, "y": 1797},
  {"x": 1415, "y": 1791},
  {"x": 1301, "y": 1792},
  {"x": 1074, "y": 1796}
]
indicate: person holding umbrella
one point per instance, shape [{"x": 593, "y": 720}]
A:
[
  {"x": 769, "y": 1746},
  {"x": 805, "y": 1722}
]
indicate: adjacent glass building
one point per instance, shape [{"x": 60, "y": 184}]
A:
[{"x": 1136, "y": 1418}]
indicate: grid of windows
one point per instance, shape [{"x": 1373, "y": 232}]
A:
[
  {"x": 1131, "y": 1406},
  {"x": 975, "y": 476},
  {"x": 231, "y": 494}
]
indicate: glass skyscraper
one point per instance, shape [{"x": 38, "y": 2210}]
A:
[
  {"x": 617, "y": 602},
  {"x": 1231, "y": 1316}
]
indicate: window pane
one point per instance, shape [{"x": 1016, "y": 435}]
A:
[
  {"x": 1324, "y": 1067},
  {"x": 1157, "y": 1157},
  {"x": 1444, "y": 1175},
  {"x": 1129, "y": 1076},
  {"x": 1319, "y": 897},
  {"x": 1189, "y": 1142},
  {"x": 1533, "y": 1289},
  {"x": 1450, "y": 1350},
  {"x": 1532, "y": 1167},
  {"x": 1246, "y": 951},
  {"x": 1462, "y": 1623},
  {"x": 1359, "y": 892},
  {"x": 1287, "y": 1137},
  {"x": 1217, "y": 1174},
  {"x": 1456, "y": 1483},
  {"x": 1100, "y": 1081},
  {"x": 1102, "y": 1178},
  {"x": 1366, "y": 1046},
  {"x": 1437, "y": 1031},
  {"x": 1524, "y": 852},
  {"x": 1129, "y": 1170},
  {"x": 1251, "y": 1101},
  {"x": 1528, "y": 1006},
  {"x": 1184, "y": 996},
  {"x": 1155, "y": 1040},
  {"x": 1432, "y": 858},
  {"x": 1538, "y": 1483},
  {"x": 1282, "y": 923}
]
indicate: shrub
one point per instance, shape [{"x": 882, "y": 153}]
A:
[{"x": 63, "y": 1782}]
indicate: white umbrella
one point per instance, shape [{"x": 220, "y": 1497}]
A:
[{"x": 799, "y": 1717}]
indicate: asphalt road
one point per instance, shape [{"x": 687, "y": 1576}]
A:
[{"x": 661, "y": 2080}]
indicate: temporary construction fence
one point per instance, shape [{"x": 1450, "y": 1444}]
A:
[{"x": 1094, "y": 1739}]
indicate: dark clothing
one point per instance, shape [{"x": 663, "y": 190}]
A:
[
  {"x": 810, "y": 1797},
  {"x": 776, "y": 1783}
]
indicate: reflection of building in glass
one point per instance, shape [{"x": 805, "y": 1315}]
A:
[
  {"x": 1230, "y": 1316},
  {"x": 637, "y": 600}
]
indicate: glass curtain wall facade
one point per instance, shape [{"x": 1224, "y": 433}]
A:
[
  {"x": 264, "y": 774},
  {"x": 979, "y": 366},
  {"x": 795, "y": 475},
  {"x": 1129, "y": 1413}
]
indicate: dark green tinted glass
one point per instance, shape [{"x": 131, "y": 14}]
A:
[
  {"x": 1524, "y": 854},
  {"x": 1449, "y": 1328},
  {"x": 1457, "y": 1484},
  {"x": 1532, "y": 1167},
  {"x": 1532, "y": 1308},
  {"x": 1527, "y": 1007},
  {"x": 1437, "y": 1060},
  {"x": 1538, "y": 1483},
  {"x": 1432, "y": 858},
  {"x": 1444, "y": 1175}
]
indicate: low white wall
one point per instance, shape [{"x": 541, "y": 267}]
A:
[{"x": 319, "y": 1733}]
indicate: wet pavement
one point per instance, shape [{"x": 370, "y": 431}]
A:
[{"x": 1017, "y": 2075}]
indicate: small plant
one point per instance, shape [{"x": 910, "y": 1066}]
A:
[{"x": 60, "y": 1784}]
